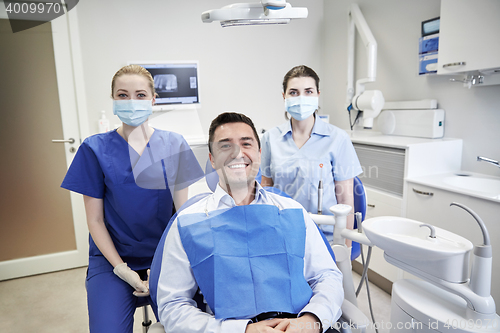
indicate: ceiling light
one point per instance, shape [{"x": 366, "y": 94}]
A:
[{"x": 259, "y": 13}]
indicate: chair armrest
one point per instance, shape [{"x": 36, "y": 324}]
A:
[{"x": 354, "y": 316}]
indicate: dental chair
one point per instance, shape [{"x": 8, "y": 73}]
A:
[
  {"x": 352, "y": 319},
  {"x": 359, "y": 206},
  {"x": 143, "y": 303}
]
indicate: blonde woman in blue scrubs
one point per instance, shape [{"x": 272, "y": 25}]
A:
[
  {"x": 130, "y": 179},
  {"x": 304, "y": 150}
]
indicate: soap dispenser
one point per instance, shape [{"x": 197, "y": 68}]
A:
[{"x": 103, "y": 123}]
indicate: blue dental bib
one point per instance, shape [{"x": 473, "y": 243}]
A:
[{"x": 248, "y": 260}]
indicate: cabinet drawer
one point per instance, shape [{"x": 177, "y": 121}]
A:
[
  {"x": 382, "y": 204},
  {"x": 383, "y": 167},
  {"x": 436, "y": 210}
]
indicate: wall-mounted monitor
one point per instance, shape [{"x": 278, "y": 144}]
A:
[{"x": 176, "y": 83}]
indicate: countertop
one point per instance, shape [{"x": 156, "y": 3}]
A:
[
  {"x": 443, "y": 173},
  {"x": 377, "y": 138},
  {"x": 441, "y": 181}
]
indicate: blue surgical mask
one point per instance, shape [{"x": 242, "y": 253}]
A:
[
  {"x": 301, "y": 107},
  {"x": 133, "y": 112}
]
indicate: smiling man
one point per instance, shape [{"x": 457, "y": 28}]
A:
[
  {"x": 258, "y": 258},
  {"x": 235, "y": 155}
]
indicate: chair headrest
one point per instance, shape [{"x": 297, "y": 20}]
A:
[{"x": 211, "y": 176}]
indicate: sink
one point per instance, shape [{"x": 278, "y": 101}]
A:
[
  {"x": 473, "y": 183},
  {"x": 403, "y": 240},
  {"x": 406, "y": 238}
]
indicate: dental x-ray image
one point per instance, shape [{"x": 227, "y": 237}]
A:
[{"x": 165, "y": 83}]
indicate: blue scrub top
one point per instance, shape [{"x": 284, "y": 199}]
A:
[
  {"x": 297, "y": 172},
  {"x": 136, "y": 189}
]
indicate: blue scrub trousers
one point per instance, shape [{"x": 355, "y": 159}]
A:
[{"x": 111, "y": 304}]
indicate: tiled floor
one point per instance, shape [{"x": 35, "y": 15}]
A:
[{"x": 56, "y": 302}]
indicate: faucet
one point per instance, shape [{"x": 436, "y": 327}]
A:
[{"x": 489, "y": 160}]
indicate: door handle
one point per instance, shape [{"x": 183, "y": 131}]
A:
[
  {"x": 452, "y": 64},
  {"x": 423, "y": 193},
  {"x": 70, "y": 140}
]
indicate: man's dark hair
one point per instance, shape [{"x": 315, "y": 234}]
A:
[{"x": 229, "y": 117}]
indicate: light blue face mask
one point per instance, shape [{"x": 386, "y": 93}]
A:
[
  {"x": 301, "y": 107},
  {"x": 133, "y": 112}
]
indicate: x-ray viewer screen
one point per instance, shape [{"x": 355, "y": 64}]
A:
[{"x": 175, "y": 83}]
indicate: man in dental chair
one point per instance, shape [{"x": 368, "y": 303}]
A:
[{"x": 257, "y": 257}]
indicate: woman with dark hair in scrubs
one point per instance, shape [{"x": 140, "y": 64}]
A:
[
  {"x": 131, "y": 178},
  {"x": 303, "y": 151}
]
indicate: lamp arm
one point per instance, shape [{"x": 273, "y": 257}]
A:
[
  {"x": 350, "y": 60},
  {"x": 368, "y": 40},
  {"x": 357, "y": 21}
]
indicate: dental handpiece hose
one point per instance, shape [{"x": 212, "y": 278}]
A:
[
  {"x": 320, "y": 191},
  {"x": 320, "y": 197}
]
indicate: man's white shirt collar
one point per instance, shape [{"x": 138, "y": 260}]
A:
[{"x": 220, "y": 199}]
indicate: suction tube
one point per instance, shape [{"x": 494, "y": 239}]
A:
[
  {"x": 486, "y": 235},
  {"x": 480, "y": 275}
]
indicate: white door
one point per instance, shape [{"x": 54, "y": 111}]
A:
[{"x": 42, "y": 227}]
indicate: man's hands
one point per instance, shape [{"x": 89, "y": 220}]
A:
[
  {"x": 265, "y": 326},
  {"x": 308, "y": 323}
]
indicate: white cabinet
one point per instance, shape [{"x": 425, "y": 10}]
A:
[
  {"x": 382, "y": 204},
  {"x": 387, "y": 161},
  {"x": 469, "y": 36},
  {"x": 435, "y": 209}
]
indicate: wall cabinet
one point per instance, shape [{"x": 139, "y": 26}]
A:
[
  {"x": 469, "y": 36},
  {"x": 436, "y": 210}
]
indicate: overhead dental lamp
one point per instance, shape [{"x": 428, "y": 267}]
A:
[
  {"x": 370, "y": 102},
  {"x": 258, "y": 13}
]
